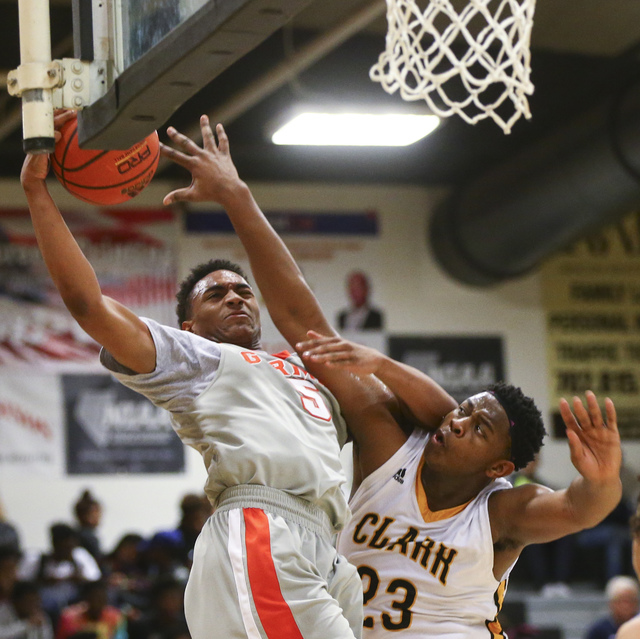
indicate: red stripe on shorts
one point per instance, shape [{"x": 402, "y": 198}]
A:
[{"x": 274, "y": 612}]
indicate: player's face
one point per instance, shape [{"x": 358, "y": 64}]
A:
[
  {"x": 471, "y": 438},
  {"x": 224, "y": 309}
]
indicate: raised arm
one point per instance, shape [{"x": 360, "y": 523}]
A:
[
  {"x": 111, "y": 324},
  {"x": 532, "y": 514},
  {"x": 369, "y": 407},
  {"x": 426, "y": 400},
  {"x": 291, "y": 303}
]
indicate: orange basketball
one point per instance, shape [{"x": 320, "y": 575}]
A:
[{"x": 104, "y": 177}]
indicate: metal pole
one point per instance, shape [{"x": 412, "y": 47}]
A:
[{"x": 35, "y": 58}]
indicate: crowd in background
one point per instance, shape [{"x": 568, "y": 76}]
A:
[{"x": 76, "y": 590}]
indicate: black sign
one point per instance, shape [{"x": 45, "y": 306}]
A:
[
  {"x": 463, "y": 366},
  {"x": 112, "y": 429}
]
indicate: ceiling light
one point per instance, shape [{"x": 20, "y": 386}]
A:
[{"x": 356, "y": 129}]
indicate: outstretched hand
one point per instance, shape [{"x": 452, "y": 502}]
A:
[
  {"x": 36, "y": 165},
  {"x": 337, "y": 352},
  {"x": 594, "y": 443},
  {"x": 214, "y": 176}
]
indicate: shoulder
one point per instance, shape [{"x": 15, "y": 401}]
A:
[
  {"x": 508, "y": 508},
  {"x": 630, "y": 629},
  {"x": 503, "y": 502}
]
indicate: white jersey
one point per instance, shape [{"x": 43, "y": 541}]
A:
[
  {"x": 424, "y": 574},
  {"x": 255, "y": 418}
]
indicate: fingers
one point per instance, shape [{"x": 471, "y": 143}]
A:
[
  {"x": 175, "y": 156},
  {"x": 61, "y": 116},
  {"x": 208, "y": 139},
  {"x": 320, "y": 344},
  {"x": 183, "y": 142},
  {"x": 179, "y": 195},
  {"x": 316, "y": 335},
  {"x": 612, "y": 418},
  {"x": 567, "y": 415},
  {"x": 223, "y": 140},
  {"x": 583, "y": 419}
]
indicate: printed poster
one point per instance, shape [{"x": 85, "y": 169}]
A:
[
  {"x": 112, "y": 429},
  {"x": 463, "y": 366},
  {"x": 591, "y": 294}
]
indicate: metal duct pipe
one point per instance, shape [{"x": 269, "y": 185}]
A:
[{"x": 506, "y": 222}]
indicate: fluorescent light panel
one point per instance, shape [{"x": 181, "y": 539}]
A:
[{"x": 355, "y": 129}]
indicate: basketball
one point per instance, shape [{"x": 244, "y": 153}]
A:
[{"x": 104, "y": 177}]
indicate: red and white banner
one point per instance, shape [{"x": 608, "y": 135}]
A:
[
  {"x": 133, "y": 252},
  {"x": 31, "y": 424}
]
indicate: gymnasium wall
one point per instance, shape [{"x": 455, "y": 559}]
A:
[{"x": 418, "y": 299}]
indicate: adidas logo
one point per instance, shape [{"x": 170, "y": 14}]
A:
[{"x": 399, "y": 476}]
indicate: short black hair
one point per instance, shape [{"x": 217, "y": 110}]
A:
[
  {"x": 61, "y": 532},
  {"x": 527, "y": 429},
  {"x": 23, "y": 588},
  {"x": 183, "y": 308}
]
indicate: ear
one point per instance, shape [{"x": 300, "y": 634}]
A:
[
  {"x": 187, "y": 325},
  {"x": 501, "y": 468}
]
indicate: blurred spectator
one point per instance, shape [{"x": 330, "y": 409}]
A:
[
  {"x": 9, "y": 539},
  {"x": 549, "y": 565},
  {"x": 631, "y": 629},
  {"x": 613, "y": 537},
  {"x": 88, "y": 512},
  {"x": 92, "y": 614},
  {"x": 163, "y": 557},
  {"x": 24, "y": 617},
  {"x": 195, "y": 510},
  {"x": 165, "y": 618},
  {"x": 360, "y": 315},
  {"x": 624, "y": 602},
  {"x": 60, "y": 572},
  {"x": 125, "y": 574},
  {"x": 9, "y": 560}
]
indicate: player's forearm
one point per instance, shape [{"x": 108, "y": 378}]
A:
[
  {"x": 590, "y": 501},
  {"x": 426, "y": 399},
  {"x": 71, "y": 272},
  {"x": 285, "y": 291}
]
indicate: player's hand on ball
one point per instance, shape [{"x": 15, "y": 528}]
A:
[
  {"x": 60, "y": 118},
  {"x": 35, "y": 169},
  {"x": 36, "y": 165}
]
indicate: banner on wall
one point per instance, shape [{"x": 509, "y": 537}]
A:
[
  {"x": 134, "y": 255},
  {"x": 112, "y": 429},
  {"x": 31, "y": 424},
  {"x": 463, "y": 366},
  {"x": 591, "y": 294}
]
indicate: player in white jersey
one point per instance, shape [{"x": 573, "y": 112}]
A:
[
  {"x": 464, "y": 460},
  {"x": 264, "y": 566}
]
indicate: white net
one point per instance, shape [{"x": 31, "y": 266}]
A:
[{"x": 474, "y": 63}]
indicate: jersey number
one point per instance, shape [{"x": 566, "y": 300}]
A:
[
  {"x": 312, "y": 401},
  {"x": 404, "y": 588}
]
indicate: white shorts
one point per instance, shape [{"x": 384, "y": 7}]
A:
[{"x": 265, "y": 567}]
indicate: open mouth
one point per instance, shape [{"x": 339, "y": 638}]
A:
[{"x": 438, "y": 436}]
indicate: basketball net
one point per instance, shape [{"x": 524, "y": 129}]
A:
[{"x": 469, "y": 63}]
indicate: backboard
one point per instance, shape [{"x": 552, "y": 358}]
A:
[{"x": 159, "y": 54}]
